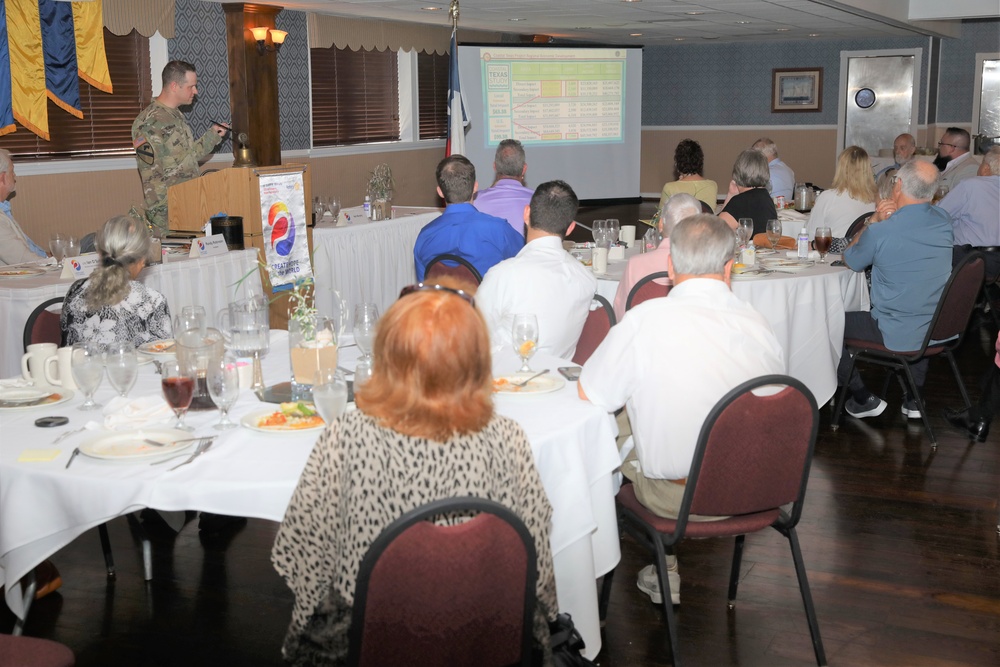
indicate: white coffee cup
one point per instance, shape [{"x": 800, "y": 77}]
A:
[
  {"x": 63, "y": 374},
  {"x": 600, "y": 264},
  {"x": 33, "y": 361},
  {"x": 627, "y": 235}
]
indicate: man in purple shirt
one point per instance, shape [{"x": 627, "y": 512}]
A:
[
  {"x": 973, "y": 205},
  {"x": 507, "y": 197}
]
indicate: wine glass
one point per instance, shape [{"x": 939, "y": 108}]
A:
[
  {"x": 57, "y": 244},
  {"x": 72, "y": 246},
  {"x": 123, "y": 367},
  {"x": 330, "y": 393},
  {"x": 362, "y": 373},
  {"x": 773, "y": 232},
  {"x": 613, "y": 229},
  {"x": 525, "y": 334},
  {"x": 597, "y": 229},
  {"x": 746, "y": 224},
  {"x": 87, "y": 364},
  {"x": 822, "y": 241},
  {"x": 365, "y": 319},
  {"x": 333, "y": 206},
  {"x": 178, "y": 389},
  {"x": 224, "y": 387}
]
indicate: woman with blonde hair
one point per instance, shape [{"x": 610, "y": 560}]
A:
[
  {"x": 425, "y": 429},
  {"x": 852, "y": 195},
  {"x": 111, "y": 306}
]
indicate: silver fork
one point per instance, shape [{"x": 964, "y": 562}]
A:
[
  {"x": 524, "y": 383},
  {"x": 202, "y": 448},
  {"x": 66, "y": 434}
]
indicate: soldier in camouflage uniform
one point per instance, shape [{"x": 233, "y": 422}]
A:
[{"x": 165, "y": 149}]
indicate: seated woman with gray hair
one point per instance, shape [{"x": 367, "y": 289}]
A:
[
  {"x": 111, "y": 306},
  {"x": 748, "y": 196}
]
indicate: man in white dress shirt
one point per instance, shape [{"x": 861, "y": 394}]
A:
[
  {"x": 782, "y": 176},
  {"x": 670, "y": 360},
  {"x": 542, "y": 279},
  {"x": 15, "y": 245},
  {"x": 954, "y": 159}
]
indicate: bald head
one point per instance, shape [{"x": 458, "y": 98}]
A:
[
  {"x": 990, "y": 165},
  {"x": 903, "y": 148},
  {"x": 917, "y": 182}
]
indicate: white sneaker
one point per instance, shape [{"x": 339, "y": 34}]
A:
[{"x": 649, "y": 583}]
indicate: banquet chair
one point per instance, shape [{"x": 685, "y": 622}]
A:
[
  {"x": 751, "y": 465},
  {"x": 857, "y": 225},
  {"x": 446, "y": 595},
  {"x": 462, "y": 269},
  {"x": 33, "y": 652},
  {"x": 945, "y": 333},
  {"x": 598, "y": 324},
  {"x": 43, "y": 324},
  {"x": 646, "y": 289}
]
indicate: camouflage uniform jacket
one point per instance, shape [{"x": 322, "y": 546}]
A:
[{"x": 166, "y": 154}]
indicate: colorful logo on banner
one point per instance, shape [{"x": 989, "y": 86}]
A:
[
  {"x": 282, "y": 207},
  {"x": 282, "y": 229}
]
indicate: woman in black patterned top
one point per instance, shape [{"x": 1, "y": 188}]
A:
[
  {"x": 111, "y": 306},
  {"x": 425, "y": 429}
]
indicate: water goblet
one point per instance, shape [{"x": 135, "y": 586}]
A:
[
  {"x": 773, "y": 232},
  {"x": 224, "y": 387},
  {"x": 362, "y": 373},
  {"x": 525, "y": 335},
  {"x": 597, "y": 229},
  {"x": 191, "y": 318},
  {"x": 822, "y": 242},
  {"x": 330, "y": 393},
  {"x": 746, "y": 224},
  {"x": 334, "y": 207},
  {"x": 87, "y": 366},
  {"x": 365, "y": 320},
  {"x": 177, "y": 382},
  {"x": 123, "y": 367},
  {"x": 57, "y": 244},
  {"x": 614, "y": 230},
  {"x": 72, "y": 246}
]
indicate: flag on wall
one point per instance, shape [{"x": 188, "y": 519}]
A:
[
  {"x": 6, "y": 110},
  {"x": 62, "y": 84},
  {"x": 458, "y": 120},
  {"x": 27, "y": 66},
  {"x": 91, "y": 60}
]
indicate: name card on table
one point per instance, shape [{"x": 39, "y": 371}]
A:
[
  {"x": 79, "y": 267},
  {"x": 214, "y": 244}
]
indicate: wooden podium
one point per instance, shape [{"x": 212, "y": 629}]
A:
[{"x": 235, "y": 191}]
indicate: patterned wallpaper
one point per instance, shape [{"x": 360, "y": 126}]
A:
[
  {"x": 958, "y": 68},
  {"x": 201, "y": 40},
  {"x": 293, "y": 82}
]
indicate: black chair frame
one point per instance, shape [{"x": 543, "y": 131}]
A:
[
  {"x": 642, "y": 282},
  {"x": 461, "y": 261},
  {"x": 425, "y": 513},
  {"x": 35, "y": 314}
]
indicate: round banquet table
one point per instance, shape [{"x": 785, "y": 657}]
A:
[
  {"x": 805, "y": 310},
  {"x": 44, "y": 506}
]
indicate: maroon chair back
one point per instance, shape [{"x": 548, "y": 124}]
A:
[
  {"x": 598, "y": 324},
  {"x": 646, "y": 289},
  {"x": 34, "y": 652},
  {"x": 958, "y": 300},
  {"x": 459, "y": 268},
  {"x": 858, "y": 224},
  {"x": 43, "y": 324},
  {"x": 446, "y": 595}
]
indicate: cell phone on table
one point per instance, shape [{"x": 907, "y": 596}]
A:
[{"x": 571, "y": 373}]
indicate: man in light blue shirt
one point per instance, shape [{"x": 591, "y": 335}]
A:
[
  {"x": 782, "y": 176},
  {"x": 909, "y": 251},
  {"x": 973, "y": 206},
  {"x": 508, "y": 196},
  {"x": 15, "y": 245}
]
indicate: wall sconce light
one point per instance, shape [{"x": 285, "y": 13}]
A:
[{"x": 260, "y": 36}]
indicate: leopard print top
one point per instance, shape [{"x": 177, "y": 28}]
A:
[{"x": 360, "y": 478}]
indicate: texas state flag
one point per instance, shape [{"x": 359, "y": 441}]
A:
[{"x": 458, "y": 120}]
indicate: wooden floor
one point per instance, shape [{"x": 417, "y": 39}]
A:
[{"x": 900, "y": 543}]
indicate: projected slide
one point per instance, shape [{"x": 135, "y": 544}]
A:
[{"x": 553, "y": 96}]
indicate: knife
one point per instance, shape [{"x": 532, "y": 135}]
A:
[
  {"x": 51, "y": 398},
  {"x": 76, "y": 451}
]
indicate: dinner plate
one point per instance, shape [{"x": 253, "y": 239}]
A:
[
  {"x": 250, "y": 421},
  {"x": 60, "y": 396},
  {"x": 20, "y": 272},
  {"x": 132, "y": 445},
  {"x": 155, "y": 348},
  {"x": 787, "y": 264},
  {"x": 22, "y": 394},
  {"x": 756, "y": 275},
  {"x": 540, "y": 385}
]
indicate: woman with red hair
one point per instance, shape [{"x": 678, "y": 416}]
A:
[{"x": 425, "y": 429}]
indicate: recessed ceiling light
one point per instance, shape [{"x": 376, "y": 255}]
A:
[
  {"x": 520, "y": 19},
  {"x": 694, "y": 13},
  {"x": 678, "y": 39},
  {"x": 635, "y": 34},
  {"x": 431, "y": 9},
  {"x": 742, "y": 22},
  {"x": 814, "y": 34},
  {"x": 631, "y": 0},
  {"x": 782, "y": 29}
]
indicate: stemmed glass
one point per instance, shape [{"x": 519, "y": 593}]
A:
[
  {"x": 525, "y": 334},
  {"x": 613, "y": 229},
  {"x": 598, "y": 228},
  {"x": 365, "y": 319},
  {"x": 333, "y": 205},
  {"x": 773, "y": 233},
  {"x": 746, "y": 224},
  {"x": 224, "y": 387},
  {"x": 57, "y": 244},
  {"x": 178, "y": 389},
  {"x": 123, "y": 367},
  {"x": 330, "y": 393},
  {"x": 822, "y": 242},
  {"x": 72, "y": 246},
  {"x": 87, "y": 364}
]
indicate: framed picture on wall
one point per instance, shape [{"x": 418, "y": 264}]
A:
[{"x": 799, "y": 89}]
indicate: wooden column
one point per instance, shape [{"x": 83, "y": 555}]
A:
[{"x": 253, "y": 81}]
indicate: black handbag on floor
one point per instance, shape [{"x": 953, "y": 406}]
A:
[{"x": 566, "y": 643}]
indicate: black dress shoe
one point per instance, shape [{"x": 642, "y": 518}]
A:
[{"x": 977, "y": 428}]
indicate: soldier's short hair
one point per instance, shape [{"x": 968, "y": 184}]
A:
[{"x": 176, "y": 71}]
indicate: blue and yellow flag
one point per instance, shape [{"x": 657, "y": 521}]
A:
[
  {"x": 59, "y": 45},
  {"x": 91, "y": 60},
  {"x": 6, "y": 110},
  {"x": 27, "y": 66}
]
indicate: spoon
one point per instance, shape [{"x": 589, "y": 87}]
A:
[{"x": 523, "y": 383}]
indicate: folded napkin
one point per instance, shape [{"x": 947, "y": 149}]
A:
[
  {"x": 785, "y": 242},
  {"x": 124, "y": 413},
  {"x": 792, "y": 214},
  {"x": 793, "y": 254},
  {"x": 16, "y": 383}
]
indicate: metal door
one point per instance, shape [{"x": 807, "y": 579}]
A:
[{"x": 879, "y": 101}]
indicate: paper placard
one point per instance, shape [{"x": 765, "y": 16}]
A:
[
  {"x": 38, "y": 455},
  {"x": 79, "y": 267},
  {"x": 215, "y": 244}
]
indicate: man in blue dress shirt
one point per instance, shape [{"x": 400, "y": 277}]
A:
[{"x": 481, "y": 239}]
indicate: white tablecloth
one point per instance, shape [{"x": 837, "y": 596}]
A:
[
  {"x": 206, "y": 281},
  {"x": 805, "y": 310},
  {"x": 367, "y": 261},
  {"x": 44, "y": 507}
]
